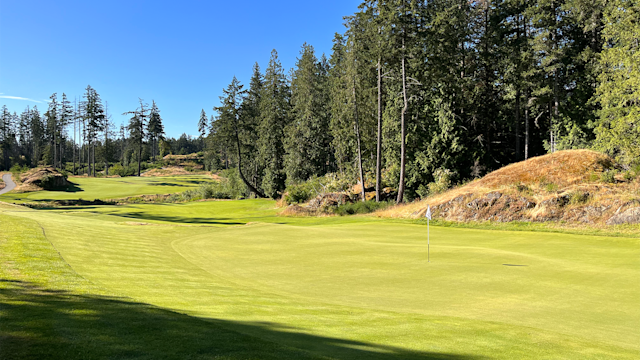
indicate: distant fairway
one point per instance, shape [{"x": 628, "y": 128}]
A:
[
  {"x": 338, "y": 287},
  {"x": 113, "y": 188}
]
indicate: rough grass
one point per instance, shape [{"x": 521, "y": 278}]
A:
[
  {"x": 172, "y": 171},
  {"x": 111, "y": 188},
  {"x": 539, "y": 178},
  {"x": 336, "y": 287}
]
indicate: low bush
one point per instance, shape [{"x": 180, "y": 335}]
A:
[
  {"x": 578, "y": 197},
  {"x": 551, "y": 187},
  {"x": 230, "y": 186},
  {"x": 296, "y": 194},
  {"x": 608, "y": 177},
  {"x": 442, "y": 181},
  {"x": 629, "y": 175},
  {"x": 301, "y": 192},
  {"x": 361, "y": 207}
]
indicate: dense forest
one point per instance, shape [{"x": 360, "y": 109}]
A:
[{"x": 412, "y": 91}]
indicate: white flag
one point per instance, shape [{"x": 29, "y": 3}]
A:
[{"x": 428, "y": 213}]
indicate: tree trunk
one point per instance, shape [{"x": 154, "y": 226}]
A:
[
  {"x": 554, "y": 118},
  {"x": 139, "y": 156},
  {"x": 89, "y": 159},
  {"x": 403, "y": 131},
  {"x": 252, "y": 188},
  {"x": 93, "y": 159},
  {"x": 74, "y": 146},
  {"x": 379, "y": 145},
  {"x": 55, "y": 146},
  {"x": 356, "y": 126},
  {"x": 526, "y": 125},
  {"x": 518, "y": 124}
]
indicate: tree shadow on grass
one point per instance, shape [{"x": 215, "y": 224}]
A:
[
  {"x": 177, "y": 219},
  {"x": 38, "y": 323}
]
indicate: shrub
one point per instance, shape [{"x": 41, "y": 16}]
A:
[
  {"x": 297, "y": 194},
  {"x": 551, "y": 187},
  {"x": 629, "y": 176},
  {"x": 422, "y": 191},
  {"x": 442, "y": 181},
  {"x": 17, "y": 169},
  {"x": 608, "y": 177},
  {"x": 360, "y": 207},
  {"x": 578, "y": 197},
  {"x": 120, "y": 170},
  {"x": 307, "y": 190}
]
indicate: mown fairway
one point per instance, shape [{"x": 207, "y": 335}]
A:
[
  {"x": 240, "y": 282},
  {"x": 112, "y": 188}
]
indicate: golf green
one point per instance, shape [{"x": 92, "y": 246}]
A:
[{"x": 353, "y": 287}]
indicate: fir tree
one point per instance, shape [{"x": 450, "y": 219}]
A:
[
  {"x": 137, "y": 126},
  {"x": 307, "y": 137},
  {"x": 274, "y": 108},
  {"x": 229, "y": 118},
  {"x": 155, "y": 128},
  {"x": 618, "y": 127},
  {"x": 93, "y": 113}
]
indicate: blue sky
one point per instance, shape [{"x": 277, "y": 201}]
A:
[{"x": 178, "y": 53}]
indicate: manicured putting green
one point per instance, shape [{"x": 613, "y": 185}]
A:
[
  {"x": 113, "y": 188},
  {"x": 357, "y": 287}
]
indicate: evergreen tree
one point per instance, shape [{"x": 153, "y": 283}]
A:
[
  {"x": 66, "y": 116},
  {"x": 307, "y": 137},
  {"x": 6, "y": 135},
  {"x": 137, "y": 126},
  {"x": 274, "y": 108},
  {"x": 618, "y": 126},
  {"x": 155, "y": 129},
  {"x": 93, "y": 114},
  {"x": 229, "y": 118},
  {"x": 38, "y": 136},
  {"x": 341, "y": 115},
  {"x": 203, "y": 124},
  {"x": 52, "y": 128}
]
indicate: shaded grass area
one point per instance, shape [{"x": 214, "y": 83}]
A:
[
  {"x": 49, "y": 311},
  {"x": 112, "y": 188}
]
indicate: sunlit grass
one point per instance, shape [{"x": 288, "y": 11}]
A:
[
  {"x": 112, "y": 188},
  {"x": 354, "y": 287}
]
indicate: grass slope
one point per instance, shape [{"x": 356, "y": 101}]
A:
[
  {"x": 112, "y": 188},
  {"x": 347, "y": 288}
]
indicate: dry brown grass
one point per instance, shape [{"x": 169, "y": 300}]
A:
[
  {"x": 193, "y": 156},
  {"x": 539, "y": 179},
  {"x": 171, "y": 171}
]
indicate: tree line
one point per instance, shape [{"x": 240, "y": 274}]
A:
[
  {"x": 81, "y": 138},
  {"x": 415, "y": 88}
]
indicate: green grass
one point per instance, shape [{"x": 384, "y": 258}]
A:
[
  {"x": 241, "y": 282},
  {"x": 112, "y": 188}
]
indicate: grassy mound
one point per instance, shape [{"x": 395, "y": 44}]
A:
[
  {"x": 42, "y": 178},
  {"x": 563, "y": 168},
  {"x": 577, "y": 186}
]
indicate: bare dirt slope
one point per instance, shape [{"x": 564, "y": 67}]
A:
[{"x": 564, "y": 186}]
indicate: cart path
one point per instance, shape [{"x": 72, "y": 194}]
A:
[{"x": 9, "y": 184}]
